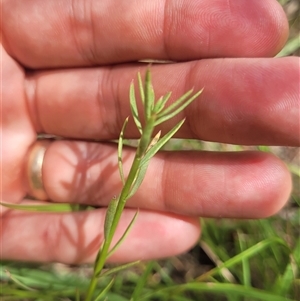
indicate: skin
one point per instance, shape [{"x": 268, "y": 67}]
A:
[{"x": 66, "y": 70}]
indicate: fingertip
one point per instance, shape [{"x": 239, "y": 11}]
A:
[
  {"x": 279, "y": 29},
  {"x": 259, "y": 29},
  {"x": 265, "y": 189},
  {"x": 278, "y": 186},
  {"x": 242, "y": 185}
]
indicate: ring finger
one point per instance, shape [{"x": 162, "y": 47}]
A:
[{"x": 241, "y": 185}]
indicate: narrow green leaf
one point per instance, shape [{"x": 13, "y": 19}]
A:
[
  {"x": 142, "y": 282},
  {"x": 149, "y": 95},
  {"x": 48, "y": 207},
  {"x": 153, "y": 150},
  {"x": 120, "y": 150},
  {"x": 138, "y": 179},
  {"x": 109, "y": 217},
  {"x": 123, "y": 236},
  {"x": 104, "y": 292},
  {"x": 177, "y": 102},
  {"x": 166, "y": 116},
  {"x": 160, "y": 104},
  {"x": 134, "y": 109},
  {"x": 141, "y": 88},
  {"x": 119, "y": 268}
]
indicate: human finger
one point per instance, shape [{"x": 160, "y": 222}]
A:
[
  {"x": 43, "y": 34},
  {"x": 245, "y": 101},
  {"x": 210, "y": 184},
  {"x": 74, "y": 238},
  {"x": 16, "y": 129}
]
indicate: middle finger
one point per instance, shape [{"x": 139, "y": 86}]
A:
[{"x": 245, "y": 101}]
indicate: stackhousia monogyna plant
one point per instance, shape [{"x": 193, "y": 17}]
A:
[
  {"x": 155, "y": 113},
  {"x": 149, "y": 143}
]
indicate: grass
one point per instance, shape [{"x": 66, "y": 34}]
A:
[
  {"x": 253, "y": 260},
  {"x": 234, "y": 260}
]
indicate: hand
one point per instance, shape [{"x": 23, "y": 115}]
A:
[{"x": 66, "y": 71}]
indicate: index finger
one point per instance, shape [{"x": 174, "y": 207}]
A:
[{"x": 43, "y": 34}]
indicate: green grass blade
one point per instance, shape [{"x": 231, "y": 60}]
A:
[
  {"x": 104, "y": 292},
  {"x": 245, "y": 262},
  {"x": 243, "y": 255},
  {"x": 119, "y": 268},
  {"x": 284, "y": 283},
  {"x": 165, "y": 275},
  {"x": 55, "y": 284},
  {"x": 219, "y": 289},
  {"x": 177, "y": 108},
  {"x": 120, "y": 150},
  {"x": 294, "y": 169},
  {"x": 267, "y": 228},
  {"x": 296, "y": 198},
  {"x": 123, "y": 236},
  {"x": 134, "y": 109},
  {"x": 18, "y": 282},
  {"x": 48, "y": 207},
  {"x": 142, "y": 282},
  {"x": 290, "y": 47},
  {"x": 212, "y": 254}
]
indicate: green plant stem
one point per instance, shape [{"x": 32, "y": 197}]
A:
[
  {"x": 142, "y": 147},
  {"x": 147, "y": 147},
  {"x": 91, "y": 289}
]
